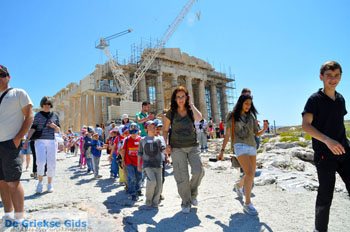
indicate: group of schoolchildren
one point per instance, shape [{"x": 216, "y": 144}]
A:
[{"x": 132, "y": 158}]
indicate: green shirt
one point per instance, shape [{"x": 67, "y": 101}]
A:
[
  {"x": 183, "y": 133},
  {"x": 142, "y": 125},
  {"x": 245, "y": 129}
]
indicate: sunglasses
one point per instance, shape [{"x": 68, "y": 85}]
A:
[{"x": 3, "y": 75}]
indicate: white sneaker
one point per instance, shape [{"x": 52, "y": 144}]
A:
[
  {"x": 186, "y": 209},
  {"x": 249, "y": 209},
  {"x": 239, "y": 191},
  {"x": 39, "y": 187},
  {"x": 49, "y": 188},
  {"x": 194, "y": 202}
]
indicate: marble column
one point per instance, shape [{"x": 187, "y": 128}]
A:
[
  {"x": 71, "y": 113},
  {"x": 223, "y": 102},
  {"x": 66, "y": 118},
  {"x": 214, "y": 104},
  {"x": 142, "y": 90},
  {"x": 77, "y": 125},
  {"x": 202, "y": 100},
  {"x": 174, "y": 82},
  {"x": 91, "y": 111},
  {"x": 189, "y": 87},
  {"x": 160, "y": 93},
  {"x": 98, "y": 110},
  {"x": 105, "y": 109},
  {"x": 83, "y": 110}
]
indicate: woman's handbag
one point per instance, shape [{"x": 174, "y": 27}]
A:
[{"x": 234, "y": 160}]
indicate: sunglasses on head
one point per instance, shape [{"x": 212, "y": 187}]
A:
[{"x": 3, "y": 75}]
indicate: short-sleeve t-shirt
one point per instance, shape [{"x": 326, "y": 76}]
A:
[
  {"x": 142, "y": 125},
  {"x": 118, "y": 141},
  {"x": 183, "y": 133},
  {"x": 11, "y": 115},
  {"x": 150, "y": 150},
  {"x": 328, "y": 118},
  {"x": 245, "y": 129},
  {"x": 221, "y": 126},
  {"x": 131, "y": 147},
  {"x": 94, "y": 150}
]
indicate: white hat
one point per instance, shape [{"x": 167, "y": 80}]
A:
[{"x": 124, "y": 116}]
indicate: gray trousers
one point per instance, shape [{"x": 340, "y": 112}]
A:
[
  {"x": 181, "y": 157},
  {"x": 202, "y": 138},
  {"x": 154, "y": 186},
  {"x": 95, "y": 164}
]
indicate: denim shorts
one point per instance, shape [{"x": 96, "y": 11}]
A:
[{"x": 241, "y": 148}]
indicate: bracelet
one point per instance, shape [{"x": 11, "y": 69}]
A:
[{"x": 325, "y": 138}]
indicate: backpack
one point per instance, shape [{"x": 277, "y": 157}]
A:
[{"x": 172, "y": 116}]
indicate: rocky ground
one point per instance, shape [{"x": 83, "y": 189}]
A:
[{"x": 284, "y": 194}]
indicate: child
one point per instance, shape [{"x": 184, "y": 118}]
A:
[
  {"x": 323, "y": 119},
  {"x": 82, "y": 160},
  {"x": 96, "y": 147},
  {"x": 129, "y": 161},
  {"x": 150, "y": 150},
  {"x": 165, "y": 158},
  {"x": 87, "y": 142},
  {"x": 112, "y": 152}
]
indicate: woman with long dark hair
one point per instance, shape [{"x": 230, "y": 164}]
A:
[
  {"x": 183, "y": 146},
  {"x": 241, "y": 126}
]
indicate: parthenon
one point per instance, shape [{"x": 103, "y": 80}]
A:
[{"x": 96, "y": 100}]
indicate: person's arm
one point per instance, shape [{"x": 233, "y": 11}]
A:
[
  {"x": 139, "y": 167},
  {"x": 261, "y": 132},
  {"x": 333, "y": 145},
  {"x": 197, "y": 115},
  {"x": 166, "y": 125},
  {"x": 226, "y": 139},
  {"x": 28, "y": 120}
]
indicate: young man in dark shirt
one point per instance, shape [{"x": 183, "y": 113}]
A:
[{"x": 323, "y": 119}]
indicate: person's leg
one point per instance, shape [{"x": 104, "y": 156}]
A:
[
  {"x": 51, "y": 159},
  {"x": 197, "y": 170},
  {"x": 138, "y": 180},
  {"x": 205, "y": 141},
  {"x": 150, "y": 186},
  {"x": 17, "y": 197},
  {"x": 32, "y": 147},
  {"x": 344, "y": 172},
  {"x": 159, "y": 186},
  {"x": 6, "y": 197},
  {"x": 246, "y": 163},
  {"x": 131, "y": 179},
  {"x": 114, "y": 165},
  {"x": 180, "y": 166},
  {"x": 94, "y": 165},
  {"x": 40, "y": 149},
  {"x": 27, "y": 161},
  {"x": 163, "y": 172},
  {"x": 326, "y": 169}
]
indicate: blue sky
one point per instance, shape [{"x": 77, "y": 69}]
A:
[{"x": 274, "y": 47}]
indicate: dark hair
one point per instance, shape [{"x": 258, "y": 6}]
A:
[
  {"x": 123, "y": 123},
  {"x": 46, "y": 100},
  {"x": 236, "y": 112},
  {"x": 103, "y": 126},
  {"x": 330, "y": 65},
  {"x": 245, "y": 90},
  {"x": 173, "y": 103},
  {"x": 145, "y": 103}
]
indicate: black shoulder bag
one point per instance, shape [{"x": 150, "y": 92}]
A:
[
  {"x": 3, "y": 95},
  {"x": 37, "y": 133}
]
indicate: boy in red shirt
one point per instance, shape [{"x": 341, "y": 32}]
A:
[{"x": 129, "y": 156}]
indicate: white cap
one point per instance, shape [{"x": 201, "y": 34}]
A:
[{"x": 124, "y": 116}]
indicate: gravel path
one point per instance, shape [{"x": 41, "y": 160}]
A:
[{"x": 104, "y": 206}]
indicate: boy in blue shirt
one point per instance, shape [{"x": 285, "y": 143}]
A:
[{"x": 96, "y": 147}]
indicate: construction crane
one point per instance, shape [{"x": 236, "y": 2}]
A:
[
  {"x": 125, "y": 87},
  {"x": 122, "y": 83}
]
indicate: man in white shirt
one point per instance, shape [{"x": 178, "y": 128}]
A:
[
  {"x": 16, "y": 117},
  {"x": 201, "y": 129}
]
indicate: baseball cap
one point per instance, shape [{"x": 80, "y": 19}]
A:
[
  {"x": 134, "y": 128},
  {"x": 158, "y": 122},
  {"x": 4, "y": 69},
  {"x": 150, "y": 122}
]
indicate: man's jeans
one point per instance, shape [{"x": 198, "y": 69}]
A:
[{"x": 134, "y": 179}]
